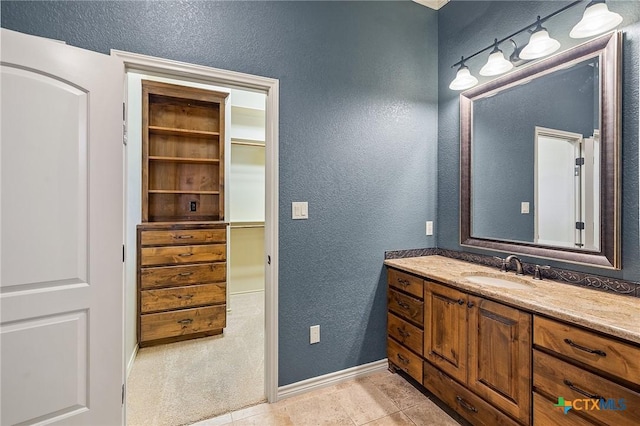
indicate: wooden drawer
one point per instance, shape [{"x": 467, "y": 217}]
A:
[
  {"x": 404, "y": 359},
  {"x": 613, "y": 357},
  {"x": 183, "y": 236},
  {"x": 405, "y": 333},
  {"x": 182, "y": 254},
  {"x": 182, "y": 297},
  {"x": 405, "y": 282},
  {"x": 555, "y": 378},
  {"x": 467, "y": 404},
  {"x": 183, "y": 322},
  {"x": 405, "y": 306},
  {"x": 173, "y": 276},
  {"x": 545, "y": 413}
]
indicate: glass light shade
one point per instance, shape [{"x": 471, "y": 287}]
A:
[
  {"x": 597, "y": 19},
  {"x": 496, "y": 64},
  {"x": 463, "y": 80},
  {"x": 540, "y": 44}
]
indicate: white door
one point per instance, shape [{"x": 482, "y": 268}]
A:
[
  {"x": 557, "y": 188},
  {"x": 61, "y": 233}
]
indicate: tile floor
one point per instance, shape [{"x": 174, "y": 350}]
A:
[{"x": 381, "y": 399}]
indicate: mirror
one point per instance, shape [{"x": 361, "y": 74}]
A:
[{"x": 539, "y": 158}]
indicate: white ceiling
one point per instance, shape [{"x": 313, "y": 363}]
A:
[{"x": 433, "y": 4}]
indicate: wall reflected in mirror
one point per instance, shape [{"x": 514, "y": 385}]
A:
[{"x": 535, "y": 160}]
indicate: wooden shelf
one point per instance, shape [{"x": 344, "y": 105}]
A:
[
  {"x": 184, "y": 159},
  {"x": 178, "y": 191},
  {"x": 181, "y": 132},
  {"x": 248, "y": 142}
]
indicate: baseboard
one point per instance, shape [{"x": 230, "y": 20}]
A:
[
  {"x": 331, "y": 379},
  {"x": 131, "y": 359}
]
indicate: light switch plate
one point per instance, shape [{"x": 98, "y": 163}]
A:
[
  {"x": 524, "y": 207},
  {"x": 314, "y": 334},
  {"x": 429, "y": 229},
  {"x": 300, "y": 210}
]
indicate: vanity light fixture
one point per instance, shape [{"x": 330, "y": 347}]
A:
[
  {"x": 597, "y": 19},
  {"x": 496, "y": 64},
  {"x": 540, "y": 44},
  {"x": 464, "y": 79}
]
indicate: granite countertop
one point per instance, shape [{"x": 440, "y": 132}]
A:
[{"x": 608, "y": 313}]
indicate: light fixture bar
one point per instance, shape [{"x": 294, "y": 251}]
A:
[{"x": 551, "y": 15}]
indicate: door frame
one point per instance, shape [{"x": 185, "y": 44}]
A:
[{"x": 271, "y": 87}]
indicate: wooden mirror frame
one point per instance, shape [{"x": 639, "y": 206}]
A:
[{"x": 608, "y": 49}]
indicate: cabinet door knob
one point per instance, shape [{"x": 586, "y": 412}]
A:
[
  {"x": 470, "y": 304},
  {"x": 584, "y": 348},
  {"x": 460, "y": 302}
]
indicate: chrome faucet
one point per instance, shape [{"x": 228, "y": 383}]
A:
[{"x": 506, "y": 262}]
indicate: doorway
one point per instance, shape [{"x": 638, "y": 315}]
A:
[{"x": 258, "y": 232}]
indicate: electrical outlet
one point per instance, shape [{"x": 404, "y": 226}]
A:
[
  {"x": 193, "y": 206},
  {"x": 314, "y": 334},
  {"x": 429, "y": 227}
]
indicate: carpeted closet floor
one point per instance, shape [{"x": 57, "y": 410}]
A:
[{"x": 181, "y": 383}]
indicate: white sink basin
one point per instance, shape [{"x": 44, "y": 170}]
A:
[{"x": 493, "y": 281}]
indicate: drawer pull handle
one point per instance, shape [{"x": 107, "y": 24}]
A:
[
  {"x": 584, "y": 348},
  {"x": 403, "y": 333},
  {"x": 186, "y": 296},
  {"x": 185, "y": 254},
  {"x": 185, "y": 274},
  {"x": 402, "y": 282},
  {"x": 466, "y": 405},
  {"x": 403, "y": 304},
  {"x": 183, "y": 237},
  {"x": 185, "y": 321},
  {"x": 403, "y": 360},
  {"x": 580, "y": 391}
]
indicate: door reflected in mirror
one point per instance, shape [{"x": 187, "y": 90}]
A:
[{"x": 567, "y": 189}]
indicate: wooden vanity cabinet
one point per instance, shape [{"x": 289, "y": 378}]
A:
[
  {"x": 404, "y": 323},
  {"x": 584, "y": 367},
  {"x": 484, "y": 345}
]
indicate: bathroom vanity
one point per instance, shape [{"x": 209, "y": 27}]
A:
[{"x": 502, "y": 350}]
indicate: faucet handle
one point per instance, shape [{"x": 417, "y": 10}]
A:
[
  {"x": 504, "y": 267},
  {"x": 537, "y": 272}
]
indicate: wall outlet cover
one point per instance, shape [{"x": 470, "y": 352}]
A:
[
  {"x": 314, "y": 334},
  {"x": 300, "y": 210}
]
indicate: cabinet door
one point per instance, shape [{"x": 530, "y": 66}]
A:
[
  {"x": 445, "y": 329},
  {"x": 500, "y": 356}
]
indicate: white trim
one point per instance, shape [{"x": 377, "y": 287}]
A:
[
  {"x": 271, "y": 87},
  {"x": 134, "y": 353},
  {"x": 331, "y": 379}
]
